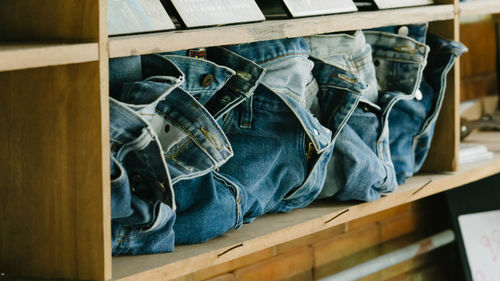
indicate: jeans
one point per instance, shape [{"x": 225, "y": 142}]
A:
[
  {"x": 211, "y": 204},
  {"x": 141, "y": 223},
  {"x": 361, "y": 166},
  {"x": 412, "y": 121},
  {"x": 187, "y": 137},
  {"x": 281, "y": 147},
  {"x": 345, "y": 74}
]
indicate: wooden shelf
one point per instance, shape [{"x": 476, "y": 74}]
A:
[
  {"x": 479, "y": 7},
  {"x": 271, "y": 230},
  {"x": 16, "y": 56},
  {"x": 272, "y": 29}
]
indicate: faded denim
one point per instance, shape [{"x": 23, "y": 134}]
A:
[
  {"x": 412, "y": 122},
  {"x": 281, "y": 150},
  {"x": 211, "y": 204},
  {"x": 345, "y": 74}
]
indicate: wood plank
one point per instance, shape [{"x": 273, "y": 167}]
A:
[
  {"x": 51, "y": 173},
  {"x": 104, "y": 126},
  {"x": 68, "y": 20},
  {"x": 273, "y": 29},
  {"x": 480, "y": 7},
  {"x": 272, "y": 230},
  {"x": 23, "y": 56}
]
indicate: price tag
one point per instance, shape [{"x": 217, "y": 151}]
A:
[
  {"x": 388, "y": 4},
  {"x": 195, "y": 13},
  {"x": 133, "y": 16},
  {"x": 302, "y": 8}
]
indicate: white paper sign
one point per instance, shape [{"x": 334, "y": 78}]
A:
[
  {"x": 132, "y": 16},
  {"x": 300, "y": 8},
  {"x": 481, "y": 237}
]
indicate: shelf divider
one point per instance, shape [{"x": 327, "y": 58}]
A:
[
  {"x": 17, "y": 56},
  {"x": 122, "y": 46}
]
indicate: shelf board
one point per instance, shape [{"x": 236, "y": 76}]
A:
[
  {"x": 272, "y": 29},
  {"x": 272, "y": 230},
  {"x": 16, "y": 56},
  {"x": 479, "y": 7}
]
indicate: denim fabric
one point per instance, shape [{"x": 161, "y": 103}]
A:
[
  {"x": 412, "y": 121},
  {"x": 344, "y": 71},
  {"x": 211, "y": 205},
  {"x": 140, "y": 222},
  {"x": 361, "y": 166},
  {"x": 234, "y": 78},
  {"x": 193, "y": 142},
  {"x": 282, "y": 149}
]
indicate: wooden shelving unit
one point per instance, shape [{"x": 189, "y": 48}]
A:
[
  {"x": 271, "y": 230},
  {"x": 16, "y": 56},
  {"x": 54, "y": 149},
  {"x": 273, "y": 29}
]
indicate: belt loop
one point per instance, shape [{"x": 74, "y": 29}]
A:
[{"x": 246, "y": 113}]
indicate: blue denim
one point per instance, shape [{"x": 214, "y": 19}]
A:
[
  {"x": 193, "y": 142},
  {"x": 361, "y": 166},
  {"x": 139, "y": 176},
  {"x": 412, "y": 122},
  {"x": 345, "y": 74},
  {"x": 211, "y": 205},
  {"x": 186, "y": 135},
  {"x": 280, "y": 150}
]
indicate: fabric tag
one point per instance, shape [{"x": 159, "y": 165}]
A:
[{"x": 198, "y": 54}]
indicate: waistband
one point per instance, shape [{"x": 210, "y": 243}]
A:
[
  {"x": 197, "y": 144},
  {"x": 137, "y": 68},
  {"x": 331, "y": 76},
  {"x": 340, "y": 44},
  {"x": 415, "y": 31},
  {"x": 263, "y": 51},
  {"x": 397, "y": 47},
  {"x": 440, "y": 45}
]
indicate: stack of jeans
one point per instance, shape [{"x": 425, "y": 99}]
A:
[
  {"x": 203, "y": 141},
  {"x": 388, "y": 136}
]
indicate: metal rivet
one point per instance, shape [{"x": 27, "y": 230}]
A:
[
  {"x": 166, "y": 129},
  {"x": 207, "y": 80},
  {"x": 161, "y": 186},
  {"x": 418, "y": 95},
  {"x": 137, "y": 178},
  {"x": 404, "y": 30},
  {"x": 226, "y": 99},
  {"x": 316, "y": 132},
  {"x": 114, "y": 147}
]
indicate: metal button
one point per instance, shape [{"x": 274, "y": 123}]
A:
[
  {"x": 137, "y": 178},
  {"x": 404, "y": 30},
  {"x": 376, "y": 62},
  {"x": 207, "y": 80},
  {"x": 418, "y": 95},
  {"x": 166, "y": 129},
  {"x": 160, "y": 186},
  {"x": 114, "y": 147},
  {"x": 227, "y": 99}
]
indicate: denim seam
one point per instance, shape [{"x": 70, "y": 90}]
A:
[{"x": 439, "y": 102}]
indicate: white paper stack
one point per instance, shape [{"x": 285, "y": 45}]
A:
[{"x": 470, "y": 153}]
